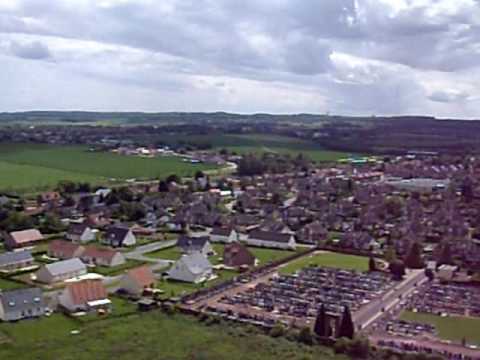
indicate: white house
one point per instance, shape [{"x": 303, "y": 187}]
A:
[
  {"x": 271, "y": 240},
  {"x": 80, "y": 233},
  {"x": 190, "y": 244},
  {"x": 61, "y": 271},
  {"x": 192, "y": 268},
  {"x": 223, "y": 235},
  {"x": 118, "y": 236}
]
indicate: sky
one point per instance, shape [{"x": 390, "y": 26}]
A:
[{"x": 349, "y": 57}]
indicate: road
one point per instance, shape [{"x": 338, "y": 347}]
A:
[{"x": 373, "y": 310}]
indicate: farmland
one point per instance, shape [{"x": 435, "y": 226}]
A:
[
  {"x": 35, "y": 167},
  {"x": 145, "y": 336},
  {"x": 328, "y": 259},
  {"x": 260, "y": 143}
]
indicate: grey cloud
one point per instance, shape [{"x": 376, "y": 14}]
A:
[
  {"x": 444, "y": 96},
  {"x": 33, "y": 50}
]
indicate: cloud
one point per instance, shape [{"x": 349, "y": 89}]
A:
[
  {"x": 447, "y": 96},
  {"x": 344, "y": 56},
  {"x": 35, "y": 50}
]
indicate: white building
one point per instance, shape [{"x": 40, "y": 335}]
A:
[
  {"x": 192, "y": 268},
  {"x": 271, "y": 240},
  {"x": 61, "y": 271},
  {"x": 223, "y": 235}
]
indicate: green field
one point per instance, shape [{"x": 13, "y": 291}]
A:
[
  {"x": 145, "y": 336},
  {"x": 449, "y": 328},
  {"x": 36, "y": 166},
  {"x": 260, "y": 143},
  {"x": 6, "y": 284},
  {"x": 328, "y": 259}
]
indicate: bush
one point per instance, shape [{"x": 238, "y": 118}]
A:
[{"x": 277, "y": 330}]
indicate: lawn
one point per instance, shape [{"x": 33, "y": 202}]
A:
[
  {"x": 10, "y": 285},
  {"x": 328, "y": 259},
  {"x": 116, "y": 270},
  {"x": 152, "y": 335},
  {"x": 449, "y": 328},
  {"x": 37, "y": 166}
]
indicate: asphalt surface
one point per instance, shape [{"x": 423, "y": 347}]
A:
[{"x": 373, "y": 310}]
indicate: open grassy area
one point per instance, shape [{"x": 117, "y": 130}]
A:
[
  {"x": 260, "y": 143},
  {"x": 6, "y": 284},
  {"x": 152, "y": 335},
  {"x": 116, "y": 270},
  {"x": 328, "y": 259},
  {"x": 36, "y": 166},
  {"x": 449, "y": 328}
]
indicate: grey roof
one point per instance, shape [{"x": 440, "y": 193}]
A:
[
  {"x": 188, "y": 243},
  {"x": 15, "y": 257},
  {"x": 196, "y": 262},
  {"x": 65, "y": 266},
  {"x": 270, "y": 236},
  {"x": 117, "y": 233},
  {"x": 21, "y": 299}
]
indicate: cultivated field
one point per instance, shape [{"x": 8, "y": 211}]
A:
[
  {"x": 34, "y": 167},
  {"x": 260, "y": 143},
  {"x": 453, "y": 328}
]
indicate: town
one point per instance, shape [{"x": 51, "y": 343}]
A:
[{"x": 382, "y": 248}]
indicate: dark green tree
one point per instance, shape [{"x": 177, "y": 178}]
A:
[
  {"x": 346, "y": 328},
  {"x": 397, "y": 269},
  {"x": 372, "y": 266},
  {"x": 322, "y": 326},
  {"x": 445, "y": 255},
  {"x": 414, "y": 259}
]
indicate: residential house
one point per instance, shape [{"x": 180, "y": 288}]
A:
[
  {"x": 119, "y": 236},
  {"x": 192, "y": 268},
  {"x": 17, "y": 239},
  {"x": 84, "y": 296},
  {"x": 223, "y": 235},
  {"x": 135, "y": 281},
  {"x": 15, "y": 260},
  {"x": 237, "y": 255},
  {"x": 21, "y": 304},
  {"x": 271, "y": 240},
  {"x": 189, "y": 244},
  {"x": 63, "y": 250},
  {"x": 97, "y": 256},
  {"x": 80, "y": 233},
  {"x": 61, "y": 271}
]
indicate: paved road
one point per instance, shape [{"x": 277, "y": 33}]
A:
[
  {"x": 373, "y": 310},
  {"x": 138, "y": 253}
]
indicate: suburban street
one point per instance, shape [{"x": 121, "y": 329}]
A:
[{"x": 373, "y": 310}]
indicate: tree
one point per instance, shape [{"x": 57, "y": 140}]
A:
[
  {"x": 16, "y": 221},
  {"x": 277, "y": 330},
  {"x": 52, "y": 224},
  {"x": 305, "y": 336},
  {"x": 346, "y": 328},
  {"x": 445, "y": 255},
  {"x": 390, "y": 254},
  {"x": 162, "y": 186},
  {"x": 173, "y": 179},
  {"x": 372, "y": 266},
  {"x": 429, "y": 274},
  {"x": 397, "y": 269},
  {"x": 199, "y": 174},
  {"x": 414, "y": 259},
  {"x": 322, "y": 327}
]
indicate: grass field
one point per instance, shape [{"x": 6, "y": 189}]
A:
[
  {"x": 328, "y": 259},
  {"x": 449, "y": 328},
  {"x": 36, "y": 166},
  {"x": 260, "y": 143},
  {"x": 151, "y": 335},
  {"x": 6, "y": 284},
  {"x": 116, "y": 270}
]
